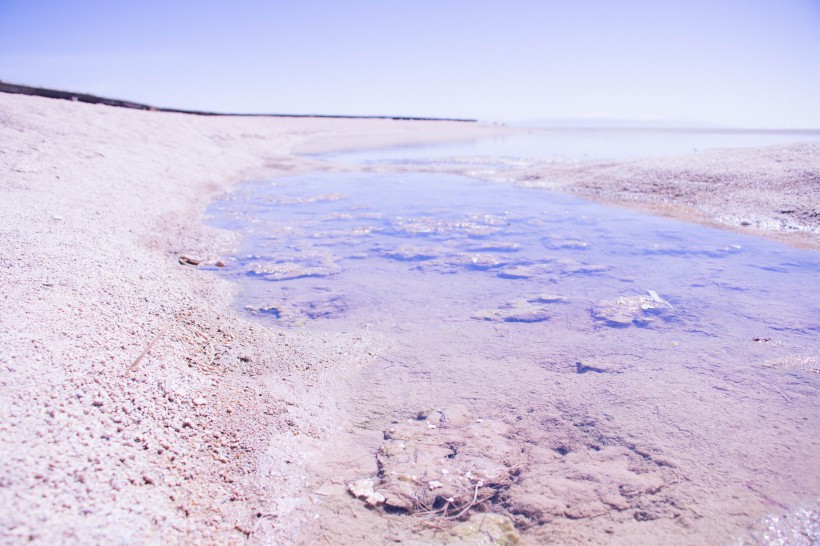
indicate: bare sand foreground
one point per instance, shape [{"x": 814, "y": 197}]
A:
[
  {"x": 203, "y": 439},
  {"x": 206, "y": 437}
]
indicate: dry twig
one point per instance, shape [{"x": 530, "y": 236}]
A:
[{"x": 136, "y": 362}]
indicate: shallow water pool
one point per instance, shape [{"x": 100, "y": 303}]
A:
[
  {"x": 389, "y": 250},
  {"x": 656, "y": 374}
]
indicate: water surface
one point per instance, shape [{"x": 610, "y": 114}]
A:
[
  {"x": 660, "y": 377},
  {"x": 577, "y": 145}
]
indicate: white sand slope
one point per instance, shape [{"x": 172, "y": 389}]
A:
[{"x": 96, "y": 204}]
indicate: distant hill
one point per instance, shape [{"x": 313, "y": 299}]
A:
[{"x": 19, "y": 89}]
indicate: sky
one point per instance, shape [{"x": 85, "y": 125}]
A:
[{"x": 737, "y": 63}]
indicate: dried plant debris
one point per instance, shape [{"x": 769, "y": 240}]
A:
[{"x": 444, "y": 464}]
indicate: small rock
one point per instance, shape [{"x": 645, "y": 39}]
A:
[
  {"x": 189, "y": 260},
  {"x": 628, "y": 311},
  {"x": 200, "y": 401},
  {"x": 520, "y": 310},
  {"x": 363, "y": 489},
  {"x": 587, "y": 367}
]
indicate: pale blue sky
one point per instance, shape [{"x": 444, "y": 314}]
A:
[{"x": 748, "y": 63}]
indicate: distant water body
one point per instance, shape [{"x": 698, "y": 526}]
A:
[{"x": 560, "y": 144}]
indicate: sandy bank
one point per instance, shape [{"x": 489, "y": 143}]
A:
[
  {"x": 203, "y": 439},
  {"x": 771, "y": 192}
]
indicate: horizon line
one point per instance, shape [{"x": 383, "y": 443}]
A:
[
  {"x": 45, "y": 92},
  {"x": 672, "y": 129},
  {"x": 89, "y": 98}
]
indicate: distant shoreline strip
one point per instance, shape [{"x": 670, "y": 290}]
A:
[{"x": 18, "y": 89}]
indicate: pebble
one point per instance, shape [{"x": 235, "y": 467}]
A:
[
  {"x": 190, "y": 260},
  {"x": 200, "y": 401}
]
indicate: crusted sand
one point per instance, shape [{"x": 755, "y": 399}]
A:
[{"x": 771, "y": 192}]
